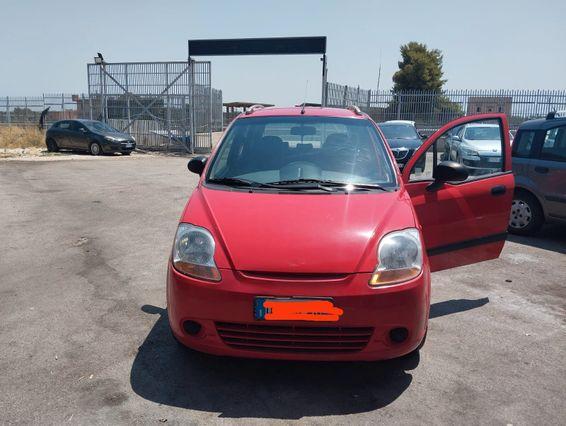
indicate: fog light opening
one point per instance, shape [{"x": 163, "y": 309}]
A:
[
  {"x": 192, "y": 328},
  {"x": 398, "y": 335}
]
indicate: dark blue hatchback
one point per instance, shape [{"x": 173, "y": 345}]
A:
[
  {"x": 92, "y": 136},
  {"x": 403, "y": 139}
]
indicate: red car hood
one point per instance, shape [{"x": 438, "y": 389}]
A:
[{"x": 298, "y": 233}]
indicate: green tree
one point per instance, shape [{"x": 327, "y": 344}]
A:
[{"x": 419, "y": 69}]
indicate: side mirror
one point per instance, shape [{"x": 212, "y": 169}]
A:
[
  {"x": 422, "y": 135},
  {"x": 196, "y": 165},
  {"x": 448, "y": 171},
  {"x": 456, "y": 138}
]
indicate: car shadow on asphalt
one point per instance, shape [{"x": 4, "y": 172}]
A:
[
  {"x": 550, "y": 237},
  {"x": 166, "y": 373},
  {"x": 455, "y": 305}
]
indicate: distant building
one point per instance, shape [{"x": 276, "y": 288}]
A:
[
  {"x": 233, "y": 109},
  {"x": 487, "y": 104}
]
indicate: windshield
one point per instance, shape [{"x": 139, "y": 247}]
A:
[
  {"x": 281, "y": 149},
  {"x": 482, "y": 133},
  {"x": 99, "y": 126},
  {"x": 398, "y": 131}
]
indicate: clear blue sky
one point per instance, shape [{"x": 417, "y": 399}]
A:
[{"x": 486, "y": 44}]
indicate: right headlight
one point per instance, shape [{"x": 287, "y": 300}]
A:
[
  {"x": 193, "y": 252},
  {"x": 400, "y": 258}
]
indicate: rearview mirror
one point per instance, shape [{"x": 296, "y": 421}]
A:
[
  {"x": 196, "y": 165},
  {"x": 448, "y": 171}
]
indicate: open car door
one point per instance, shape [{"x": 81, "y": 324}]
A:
[{"x": 465, "y": 221}]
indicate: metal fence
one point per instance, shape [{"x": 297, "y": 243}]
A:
[
  {"x": 430, "y": 110},
  {"x": 26, "y": 110},
  {"x": 165, "y": 105}
]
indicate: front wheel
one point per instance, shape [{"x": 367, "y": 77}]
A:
[
  {"x": 526, "y": 214},
  {"x": 95, "y": 149}
]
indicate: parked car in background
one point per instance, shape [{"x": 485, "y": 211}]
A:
[
  {"x": 403, "y": 139},
  {"x": 539, "y": 165},
  {"x": 477, "y": 146},
  {"x": 302, "y": 240},
  {"x": 92, "y": 136}
]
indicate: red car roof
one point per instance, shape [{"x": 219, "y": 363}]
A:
[{"x": 309, "y": 111}]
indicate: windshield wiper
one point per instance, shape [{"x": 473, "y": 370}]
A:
[
  {"x": 304, "y": 184},
  {"x": 232, "y": 181},
  {"x": 328, "y": 185}
]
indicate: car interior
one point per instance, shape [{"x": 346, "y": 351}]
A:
[{"x": 336, "y": 156}]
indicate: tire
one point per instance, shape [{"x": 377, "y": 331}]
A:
[
  {"x": 51, "y": 145},
  {"x": 127, "y": 153},
  {"x": 526, "y": 216},
  {"x": 94, "y": 148}
]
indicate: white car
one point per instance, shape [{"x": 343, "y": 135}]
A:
[{"x": 477, "y": 146}]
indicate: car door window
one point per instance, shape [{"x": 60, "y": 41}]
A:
[
  {"x": 523, "y": 143},
  {"x": 554, "y": 146},
  {"x": 65, "y": 125},
  {"x": 480, "y": 149}
]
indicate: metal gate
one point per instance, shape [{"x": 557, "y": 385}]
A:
[{"x": 165, "y": 105}]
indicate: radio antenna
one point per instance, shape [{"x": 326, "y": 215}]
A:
[{"x": 305, "y": 98}]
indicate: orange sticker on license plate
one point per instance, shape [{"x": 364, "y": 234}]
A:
[{"x": 290, "y": 309}]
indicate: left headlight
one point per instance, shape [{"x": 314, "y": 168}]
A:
[
  {"x": 469, "y": 152},
  {"x": 193, "y": 252},
  {"x": 400, "y": 258}
]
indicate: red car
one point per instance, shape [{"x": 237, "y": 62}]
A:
[{"x": 304, "y": 241}]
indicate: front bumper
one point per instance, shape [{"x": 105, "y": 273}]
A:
[
  {"x": 109, "y": 147},
  {"x": 482, "y": 164},
  {"x": 229, "y": 304}
]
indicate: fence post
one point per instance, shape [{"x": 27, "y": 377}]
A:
[
  {"x": 210, "y": 105},
  {"x": 8, "y": 118},
  {"x": 400, "y": 96},
  {"x": 168, "y": 111},
  {"x": 127, "y": 92},
  {"x": 101, "y": 93},
  {"x": 192, "y": 104}
]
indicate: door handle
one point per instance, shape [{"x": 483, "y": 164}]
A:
[
  {"x": 498, "y": 190},
  {"x": 541, "y": 169}
]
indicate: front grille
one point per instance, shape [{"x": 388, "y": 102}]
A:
[
  {"x": 400, "y": 153},
  {"x": 294, "y": 339}
]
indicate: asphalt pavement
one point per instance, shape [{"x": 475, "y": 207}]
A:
[{"x": 84, "y": 336}]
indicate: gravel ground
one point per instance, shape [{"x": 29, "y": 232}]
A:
[{"x": 84, "y": 336}]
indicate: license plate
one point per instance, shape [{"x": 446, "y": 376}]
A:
[
  {"x": 493, "y": 160},
  {"x": 129, "y": 145},
  {"x": 295, "y": 309}
]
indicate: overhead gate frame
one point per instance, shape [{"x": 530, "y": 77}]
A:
[{"x": 264, "y": 46}]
